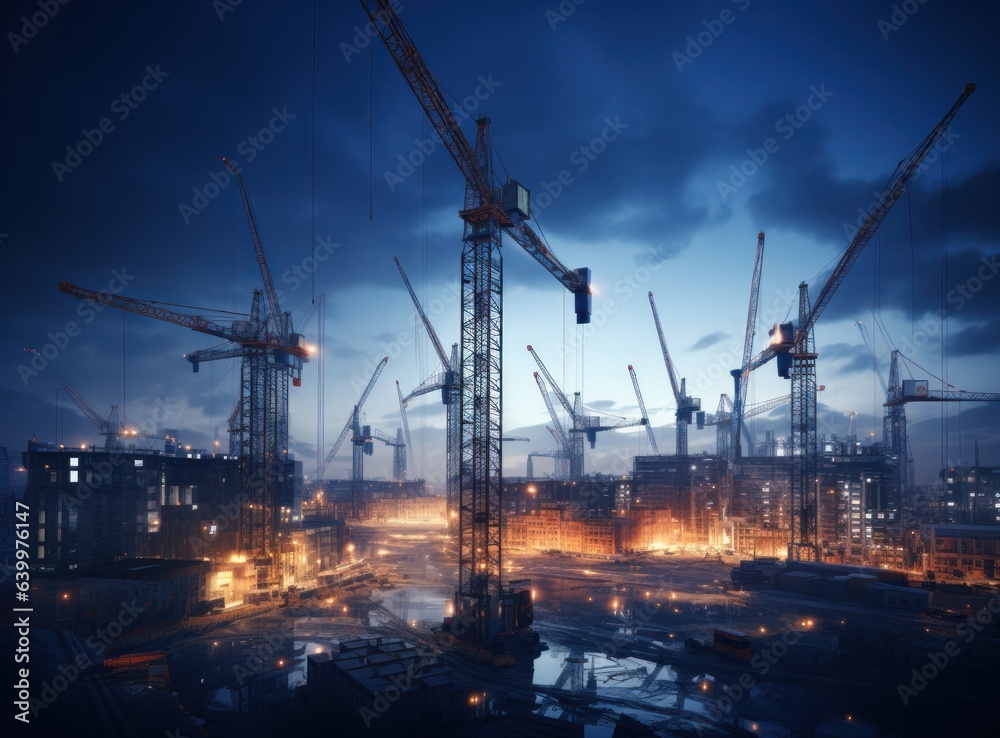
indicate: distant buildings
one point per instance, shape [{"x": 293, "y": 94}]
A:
[
  {"x": 972, "y": 494},
  {"x": 971, "y": 551},
  {"x": 693, "y": 488},
  {"x": 94, "y": 508},
  {"x": 588, "y": 517}
]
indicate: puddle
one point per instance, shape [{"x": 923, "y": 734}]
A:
[{"x": 416, "y": 604}]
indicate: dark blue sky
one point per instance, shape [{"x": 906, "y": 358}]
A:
[{"x": 629, "y": 123}]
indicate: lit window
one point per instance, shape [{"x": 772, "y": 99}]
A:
[
  {"x": 138, "y": 462},
  {"x": 74, "y": 476},
  {"x": 74, "y": 461}
]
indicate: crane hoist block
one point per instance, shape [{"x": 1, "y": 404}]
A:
[{"x": 583, "y": 300}]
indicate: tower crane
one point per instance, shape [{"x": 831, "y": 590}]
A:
[
  {"x": 723, "y": 427},
  {"x": 642, "y": 409},
  {"x": 448, "y": 382},
  {"x": 361, "y": 446},
  {"x": 363, "y": 439},
  {"x": 795, "y": 349},
  {"x": 740, "y": 386},
  {"x": 583, "y": 425},
  {"x": 559, "y": 457},
  {"x": 903, "y": 391},
  {"x": 687, "y": 406},
  {"x": 399, "y": 451},
  {"x": 401, "y": 455},
  {"x": 723, "y": 418},
  {"x": 114, "y": 428},
  {"x": 271, "y": 352},
  {"x": 563, "y": 467},
  {"x": 349, "y": 425},
  {"x": 555, "y": 455},
  {"x": 488, "y": 211}
]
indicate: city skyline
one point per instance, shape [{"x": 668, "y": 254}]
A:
[{"x": 655, "y": 152}]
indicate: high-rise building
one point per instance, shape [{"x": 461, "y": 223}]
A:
[
  {"x": 92, "y": 507},
  {"x": 972, "y": 494}
]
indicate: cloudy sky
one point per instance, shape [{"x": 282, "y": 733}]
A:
[{"x": 657, "y": 140}]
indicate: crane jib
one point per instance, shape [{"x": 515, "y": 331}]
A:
[{"x": 432, "y": 100}]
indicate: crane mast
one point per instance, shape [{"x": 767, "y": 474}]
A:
[
  {"x": 642, "y": 409},
  {"x": 899, "y": 393},
  {"x": 797, "y": 342},
  {"x": 349, "y": 425},
  {"x": 557, "y": 430},
  {"x": 724, "y": 417},
  {"x": 270, "y": 353},
  {"x": 686, "y": 405},
  {"x": 447, "y": 382},
  {"x": 805, "y": 458},
  {"x": 487, "y": 212},
  {"x": 740, "y": 386},
  {"x": 407, "y": 452}
]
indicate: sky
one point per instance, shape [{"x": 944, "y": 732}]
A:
[{"x": 657, "y": 140}]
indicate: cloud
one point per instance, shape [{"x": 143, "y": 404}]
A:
[{"x": 707, "y": 341}]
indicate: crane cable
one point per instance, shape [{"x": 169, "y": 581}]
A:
[{"x": 312, "y": 239}]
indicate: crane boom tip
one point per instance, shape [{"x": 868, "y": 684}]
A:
[{"x": 971, "y": 87}]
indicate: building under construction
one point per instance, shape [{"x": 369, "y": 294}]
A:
[{"x": 97, "y": 507}]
